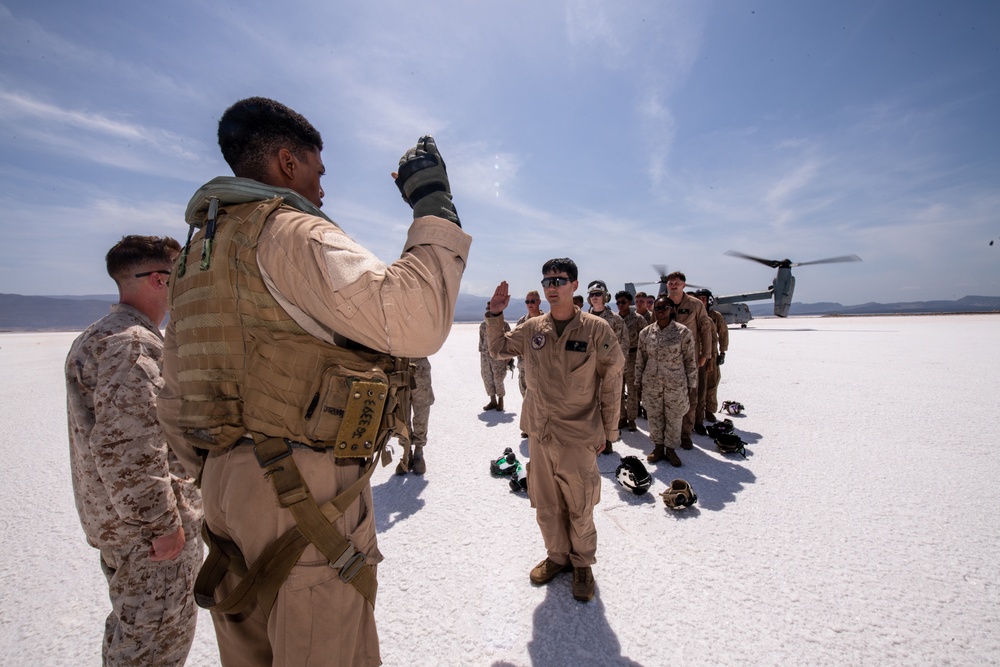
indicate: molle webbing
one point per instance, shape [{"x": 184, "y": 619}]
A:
[
  {"x": 210, "y": 310},
  {"x": 244, "y": 365}
]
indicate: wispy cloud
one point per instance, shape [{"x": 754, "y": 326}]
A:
[{"x": 96, "y": 137}]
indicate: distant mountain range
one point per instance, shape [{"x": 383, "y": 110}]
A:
[{"x": 75, "y": 313}]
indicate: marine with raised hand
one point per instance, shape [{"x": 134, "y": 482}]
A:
[
  {"x": 285, "y": 369},
  {"x": 570, "y": 413}
]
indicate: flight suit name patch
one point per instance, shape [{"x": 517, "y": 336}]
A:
[{"x": 576, "y": 346}]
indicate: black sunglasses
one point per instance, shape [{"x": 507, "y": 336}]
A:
[
  {"x": 558, "y": 281},
  {"x": 531, "y": 300}
]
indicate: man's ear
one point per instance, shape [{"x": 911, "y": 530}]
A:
[{"x": 287, "y": 164}]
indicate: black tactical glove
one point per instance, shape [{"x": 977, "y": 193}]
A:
[
  {"x": 722, "y": 358},
  {"x": 422, "y": 179}
]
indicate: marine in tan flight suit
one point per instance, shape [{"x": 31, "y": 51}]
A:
[{"x": 570, "y": 413}]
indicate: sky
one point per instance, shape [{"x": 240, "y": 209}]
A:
[
  {"x": 861, "y": 529},
  {"x": 624, "y": 135}
]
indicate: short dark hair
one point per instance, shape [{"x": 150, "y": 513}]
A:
[
  {"x": 642, "y": 295},
  {"x": 677, "y": 274},
  {"x": 254, "y": 129},
  {"x": 561, "y": 264},
  {"x": 134, "y": 253},
  {"x": 623, "y": 294}
]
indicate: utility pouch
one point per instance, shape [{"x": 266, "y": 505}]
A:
[
  {"x": 362, "y": 415},
  {"x": 321, "y": 395}
]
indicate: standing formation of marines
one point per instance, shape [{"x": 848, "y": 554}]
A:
[{"x": 284, "y": 372}]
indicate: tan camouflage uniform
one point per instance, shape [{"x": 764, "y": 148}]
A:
[
  {"x": 129, "y": 489},
  {"x": 494, "y": 371},
  {"x": 421, "y": 400},
  {"x": 666, "y": 368},
  {"x": 630, "y": 397}
]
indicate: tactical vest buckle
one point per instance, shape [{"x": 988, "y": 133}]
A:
[
  {"x": 349, "y": 563},
  {"x": 274, "y": 459}
]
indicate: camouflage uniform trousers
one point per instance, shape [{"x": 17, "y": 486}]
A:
[
  {"x": 494, "y": 371},
  {"x": 421, "y": 400},
  {"x": 666, "y": 408},
  {"x": 153, "y": 616},
  {"x": 521, "y": 384},
  {"x": 630, "y": 393}
]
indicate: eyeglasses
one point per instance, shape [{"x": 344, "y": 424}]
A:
[
  {"x": 594, "y": 295},
  {"x": 661, "y": 307},
  {"x": 165, "y": 272},
  {"x": 557, "y": 281},
  {"x": 530, "y": 301}
]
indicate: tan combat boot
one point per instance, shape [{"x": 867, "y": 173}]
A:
[
  {"x": 417, "y": 463},
  {"x": 658, "y": 454},
  {"x": 671, "y": 456},
  {"x": 583, "y": 584},
  {"x": 500, "y": 404},
  {"x": 492, "y": 405},
  {"x": 546, "y": 571}
]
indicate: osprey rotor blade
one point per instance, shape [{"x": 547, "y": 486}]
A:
[
  {"x": 773, "y": 263},
  {"x": 831, "y": 260}
]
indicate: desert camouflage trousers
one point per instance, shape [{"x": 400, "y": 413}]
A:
[
  {"x": 494, "y": 371},
  {"x": 421, "y": 400},
  {"x": 666, "y": 408},
  {"x": 630, "y": 393},
  {"x": 153, "y": 614},
  {"x": 521, "y": 384}
]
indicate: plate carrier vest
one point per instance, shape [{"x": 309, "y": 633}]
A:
[{"x": 250, "y": 375}]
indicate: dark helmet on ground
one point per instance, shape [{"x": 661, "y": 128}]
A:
[{"x": 633, "y": 475}]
